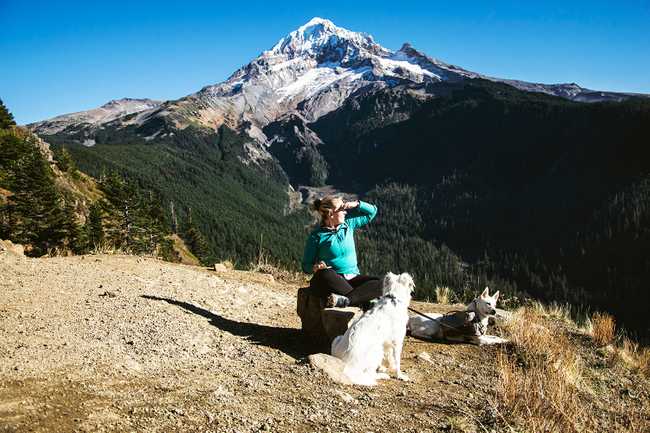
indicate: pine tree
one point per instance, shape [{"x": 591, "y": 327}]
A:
[
  {"x": 93, "y": 228},
  {"x": 195, "y": 240},
  {"x": 74, "y": 234},
  {"x": 66, "y": 163},
  {"x": 6, "y": 118},
  {"x": 36, "y": 207},
  {"x": 119, "y": 207},
  {"x": 134, "y": 219}
]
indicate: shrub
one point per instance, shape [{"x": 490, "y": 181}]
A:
[{"x": 603, "y": 328}]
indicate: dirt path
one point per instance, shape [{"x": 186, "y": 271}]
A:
[{"x": 121, "y": 343}]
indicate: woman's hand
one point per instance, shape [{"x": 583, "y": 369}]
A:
[
  {"x": 320, "y": 265},
  {"x": 350, "y": 204}
]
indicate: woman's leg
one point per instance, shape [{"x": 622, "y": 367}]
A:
[
  {"x": 365, "y": 289},
  {"x": 326, "y": 281}
]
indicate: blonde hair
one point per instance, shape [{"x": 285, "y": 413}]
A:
[{"x": 325, "y": 206}]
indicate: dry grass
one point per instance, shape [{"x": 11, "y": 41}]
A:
[
  {"x": 644, "y": 362},
  {"x": 443, "y": 295},
  {"x": 632, "y": 356},
  {"x": 541, "y": 379},
  {"x": 544, "y": 384},
  {"x": 575, "y": 317},
  {"x": 264, "y": 265},
  {"x": 603, "y": 329}
]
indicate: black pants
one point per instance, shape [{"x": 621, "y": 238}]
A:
[{"x": 359, "y": 290}]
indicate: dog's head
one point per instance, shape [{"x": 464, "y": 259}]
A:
[
  {"x": 400, "y": 286},
  {"x": 486, "y": 304}
]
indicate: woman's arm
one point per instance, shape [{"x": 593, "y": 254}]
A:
[{"x": 361, "y": 215}]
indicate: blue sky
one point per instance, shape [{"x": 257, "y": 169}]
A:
[{"x": 60, "y": 57}]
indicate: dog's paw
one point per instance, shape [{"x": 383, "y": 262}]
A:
[{"x": 403, "y": 376}]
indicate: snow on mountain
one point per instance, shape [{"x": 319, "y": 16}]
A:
[{"x": 309, "y": 72}]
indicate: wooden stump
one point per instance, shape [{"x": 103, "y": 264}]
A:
[
  {"x": 319, "y": 323},
  {"x": 336, "y": 320},
  {"x": 309, "y": 309}
]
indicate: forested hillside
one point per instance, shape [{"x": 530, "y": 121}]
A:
[
  {"x": 49, "y": 206},
  {"x": 540, "y": 195},
  {"x": 234, "y": 210}
]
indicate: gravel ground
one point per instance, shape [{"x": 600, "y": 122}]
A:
[{"x": 122, "y": 343}]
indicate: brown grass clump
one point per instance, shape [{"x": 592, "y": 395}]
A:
[
  {"x": 603, "y": 329},
  {"x": 632, "y": 356},
  {"x": 644, "y": 362},
  {"x": 265, "y": 265},
  {"x": 443, "y": 295},
  {"x": 540, "y": 380}
]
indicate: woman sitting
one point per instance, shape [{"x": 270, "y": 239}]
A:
[{"x": 330, "y": 254}]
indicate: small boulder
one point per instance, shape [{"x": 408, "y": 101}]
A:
[
  {"x": 11, "y": 248},
  {"x": 220, "y": 267},
  {"x": 331, "y": 366}
]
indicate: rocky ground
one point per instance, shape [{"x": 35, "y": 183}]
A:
[{"x": 121, "y": 343}]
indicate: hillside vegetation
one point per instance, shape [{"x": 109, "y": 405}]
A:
[
  {"x": 538, "y": 195},
  {"x": 48, "y": 205},
  {"x": 237, "y": 209}
]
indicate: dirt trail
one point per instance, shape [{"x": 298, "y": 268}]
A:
[{"x": 122, "y": 343}]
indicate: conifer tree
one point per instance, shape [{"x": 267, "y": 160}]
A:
[
  {"x": 74, "y": 235},
  {"x": 6, "y": 118},
  {"x": 36, "y": 206},
  {"x": 66, "y": 163},
  {"x": 93, "y": 228},
  {"x": 195, "y": 240}
]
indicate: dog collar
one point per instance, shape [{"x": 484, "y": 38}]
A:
[{"x": 392, "y": 298}]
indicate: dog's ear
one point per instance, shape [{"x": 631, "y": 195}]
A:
[
  {"x": 388, "y": 280},
  {"x": 495, "y": 296},
  {"x": 485, "y": 293},
  {"x": 406, "y": 280}
]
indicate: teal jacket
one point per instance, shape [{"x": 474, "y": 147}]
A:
[{"x": 336, "y": 246}]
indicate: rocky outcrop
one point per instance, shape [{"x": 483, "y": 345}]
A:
[{"x": 8, "y": 247}]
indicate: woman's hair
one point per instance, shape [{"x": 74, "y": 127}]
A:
[{"x": 324, "y": 206}]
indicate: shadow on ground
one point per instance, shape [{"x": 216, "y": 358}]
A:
[{"x": 288, "y": 340}]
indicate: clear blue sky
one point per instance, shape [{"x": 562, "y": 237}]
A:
[{"x": 60, "y": 57}]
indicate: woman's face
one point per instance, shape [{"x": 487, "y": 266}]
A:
[{"x": 338, "y": 214}]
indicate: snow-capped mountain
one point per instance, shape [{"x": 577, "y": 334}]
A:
[{"x": 309, "y": 73}]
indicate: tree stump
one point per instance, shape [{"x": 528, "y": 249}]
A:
[
  {"x": 336, "y": 320},
  {"x": 319, "y": 323}
]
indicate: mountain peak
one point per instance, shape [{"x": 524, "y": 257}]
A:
[
  {"x": 317, "y": 22},
  {"x": 319, "y": 34}
]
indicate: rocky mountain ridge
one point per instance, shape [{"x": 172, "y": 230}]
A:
[{"x": 309, "y": 73}]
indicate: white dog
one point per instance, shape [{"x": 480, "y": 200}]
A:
[
  {"x": 465, "y": 326},
  {"x": 377, "y": 336}
]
